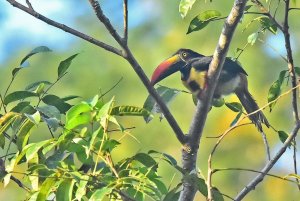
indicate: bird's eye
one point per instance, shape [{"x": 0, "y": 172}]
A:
[{"x": 184, "y": 54}]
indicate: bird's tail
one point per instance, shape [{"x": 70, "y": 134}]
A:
[{"x": 250, "y": 106}]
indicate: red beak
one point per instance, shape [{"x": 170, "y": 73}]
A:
[{"x": 166, "y": 68}]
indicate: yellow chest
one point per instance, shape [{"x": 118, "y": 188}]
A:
[{"x": 196, "y": 81}]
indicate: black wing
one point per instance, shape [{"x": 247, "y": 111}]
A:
[{"x": 202, "y": 64}]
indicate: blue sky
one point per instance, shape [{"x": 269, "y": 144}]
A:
[{"x": 19, "y": 30}]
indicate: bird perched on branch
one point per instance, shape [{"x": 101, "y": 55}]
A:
[{"x": 194, "y": 67}]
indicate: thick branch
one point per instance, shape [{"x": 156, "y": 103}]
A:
[
  {"x": 65, "y": 28},
  {"x": 251, "y": 186},
  {"x": 204, "y": 103}
]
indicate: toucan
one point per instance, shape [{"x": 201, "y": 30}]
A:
[{"x": 194, "y": 67}]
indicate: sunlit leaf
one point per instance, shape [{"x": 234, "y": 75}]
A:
[
  {"x": 9, "y": 168},
  {"x": 35, "y": 51},
  {"x": 81, "y": 187},
  {"x": 185, "y": 6},
  {"x": 23, "y": 133},
  {"x": 64, "y": 65},
  {"x": 202, "y": 20},
  {"x": 35, "y": 147},
  {"x": 77, "y": 110},
  {"x": 100, "y": 194},
  {"x": 7, "y": 120},
  {"x": 167, "y": 95},
  {"x": 267, "y": 24},
  {"x": 45, "y": 189},
  {"x": 128, "y": 110},
  {"x": 296, "y": 176},
  {"x": 65, "y": 190},
  {"x": 252, "y": 38},
  {"x": 18, "y": 95}
]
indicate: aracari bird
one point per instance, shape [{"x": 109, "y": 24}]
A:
[{"x": 194, "y": 67}]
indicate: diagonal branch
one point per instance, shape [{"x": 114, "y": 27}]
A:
[
  {"x": 251, "y": 186},
  {"x": 65, "y": 28},
  {"x": 204, "y": 103},
  {"x": 127, "y": 54}
]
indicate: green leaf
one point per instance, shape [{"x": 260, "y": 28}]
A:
[
  {"x": 71, "y": 97},
  {"x": 64, "y": 65},
  {"x": 283, "y": 136},
  {"x": 65, "y": 190},
  {"x": 33, "y": 86},
  {"x": 34, "y": 118},
  {"x": 145, "y": 159},
  {"x": 173, "y": 194},
  {"x": 130, "y": 111},
  {"x": 238, "y": 116},
  {"x": 81, "y": 187},
  {"x": 18, "y": 95},
  {"x": 202, "y": 20},
  {"x": 217, "y": 196},
  {"x": 7, "y": 120},
  {"x": 167, "y": 95},
  {"x": 201, "y": 185},
  {"x": 49, "y": 111},
  {"x": 109, "y": 145},
  {"x": 105, "y": 109},
  {"x": 2, "y": 143},
  {"x": 267, "y": 24},
  {"x": 20, "y": 106},
  {"x": 234, "y": 106},
  {"x": 248, "y": 7},
  {"x": 275, "y": 89},
  {"x": 99, "y": 194},
  {"x": 185, "y": 6},
  {"x": 77, "y": 110},
  {"x": 23, "y": 133},
  {"x": 9, "y": 168},
  {"x": 252, "y": 38},
  {"x": 78, "y": 120},
  {"x": 57, "y": 102},
  {"x": 35, "y": 51},
  {"x": 45, "y": 189},
  {"x": 35, "y": 147},
  {"x": 297, "y": 70}
]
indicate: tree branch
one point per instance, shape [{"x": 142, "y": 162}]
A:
[
  {"x": 65, "y": 28},
  {"x": 127, "y": 54},
  {"x": 251, "y": 186},
  {"x": 204, "y": 103},
  {"x": 125, "y": 10}
]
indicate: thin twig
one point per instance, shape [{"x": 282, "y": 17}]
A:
[
  {"x": 20, "y": 184},
  {"x": 274, "y": 49},
  {"x": 125, "y": 11},
  {"x": 29, "y": 4},
  {"x": 65, "y": 28},
  {"x": 109, "y": 90},
  {"x": 256, "y": 171},
  {"x": 252, "y": 184}
]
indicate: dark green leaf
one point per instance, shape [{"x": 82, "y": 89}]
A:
[
  {"x": 49, "y": 111},
  {"x": 109, "y": 145},
  {"x": 145, "y": 159},
  {"x": 202, "y": 20},
  {"x": 167, "y": 95},
  {"x": 130, "y": 111},
  {"x": 20, "y": 106},
  {"x": 252, "y": 38},
  {"x": 65, "y": 189},
  {"x": 2, "y": 144},
  {"x": 217, "y": 196},
  {"x": 185, "y": 6},
  {"x": 173, "y": 194},
  {"x": 283, "y": 136},
  {"x": 160, "y": 186},
  {"x": 195, "y": 99},
  {"x": 297, "y": 70},
  {"x": 18, "y": 95},
  {"x": 57, "y": 102},
  {"x": 238, "y": 116},
  {"x": 235, "y": 106},
  {"x": 34, "y": 85},
  {"x": 267, "y": 24},
  {"x": 67, "y": 98},
  {"x": 64, "y": 65},
  {"x": 248, "y": 7},
  {"x": 202, "y": 187},
  {"x": 99, "y": 194},
  {"x": 35, "y": 51},
  {"x": 275, "y": 89}
]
